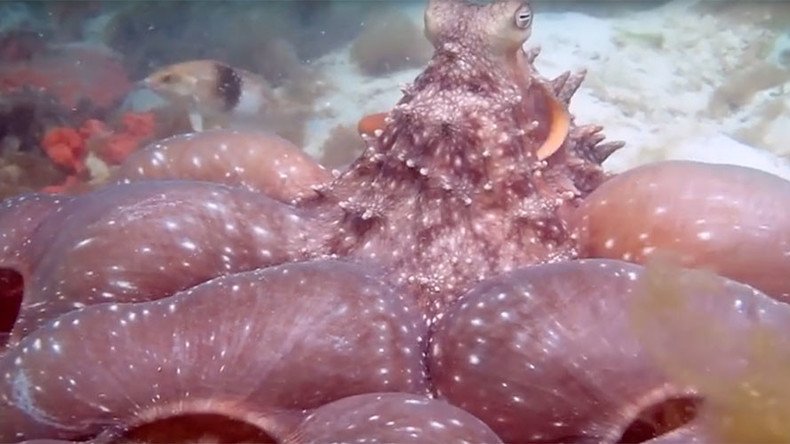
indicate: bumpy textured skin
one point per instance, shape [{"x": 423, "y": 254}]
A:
[
  {"x": 448, "y": 203},
  {"x": 452, "y": 191},
  {"x": 19, "y": 218}
]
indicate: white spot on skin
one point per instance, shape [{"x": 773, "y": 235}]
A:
[{"x": 704, "y": 235}]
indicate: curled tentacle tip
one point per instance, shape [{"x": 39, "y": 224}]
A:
[{"x": 560, "y": 124}]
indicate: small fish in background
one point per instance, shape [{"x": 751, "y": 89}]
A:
[{"x": 213, "y": 93}]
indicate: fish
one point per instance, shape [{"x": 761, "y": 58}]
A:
[{"x": 213, "y": 93}]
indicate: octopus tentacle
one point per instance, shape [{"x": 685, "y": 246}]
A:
[
  {"x": 246, "y": 347},
  {"x": 391, "y": 417},
  {"x": 188, "y": 231},
  {"x": 20, "y": 217},
  {"x": 556, "y": 352},
  {"x": 253, "y": 160},
  {"x": 723, "y": 217}
]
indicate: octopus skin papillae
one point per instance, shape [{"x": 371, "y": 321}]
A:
[{"x": 457, "y": 283}]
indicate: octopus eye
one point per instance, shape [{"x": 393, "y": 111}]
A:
[
  {"x": 169, "y": 78},
  {"x": 523, "y": 17}
]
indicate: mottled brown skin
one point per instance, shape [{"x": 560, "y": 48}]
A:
[{"x": 452, "y": 191}]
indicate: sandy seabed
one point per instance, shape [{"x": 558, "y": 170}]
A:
[{"x": 673, "y": 82}]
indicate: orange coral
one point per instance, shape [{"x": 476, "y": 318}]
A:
[
  {"x": 114, "y": 147},
  {"x": 66, "y": 148},
  {"x": 94, "y": 128},
  {"x": 140, "y": 125}
]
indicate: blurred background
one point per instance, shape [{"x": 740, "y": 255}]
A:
[{"x": 704, "y": 80}]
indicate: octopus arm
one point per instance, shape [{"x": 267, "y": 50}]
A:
[
  {"x": 243, "y": 346},
  {"x": 147, "y": 240},
  {"x": 726, "y": 218},
  {"x": 560, "y": 352},
  {"x": 253, "y": 160},
  {"x": 20, "y": 217},
  {"x": 391, "y": 417}
]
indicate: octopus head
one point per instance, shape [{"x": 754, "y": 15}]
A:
[{"x": 498, "y": 28}]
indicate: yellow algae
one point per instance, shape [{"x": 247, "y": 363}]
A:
[{"x": 740, "y": 371}]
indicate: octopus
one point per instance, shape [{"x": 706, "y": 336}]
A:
[{"x": 474, "y": 276}]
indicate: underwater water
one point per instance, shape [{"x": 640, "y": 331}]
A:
[{"x": 348, "y": 220}]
